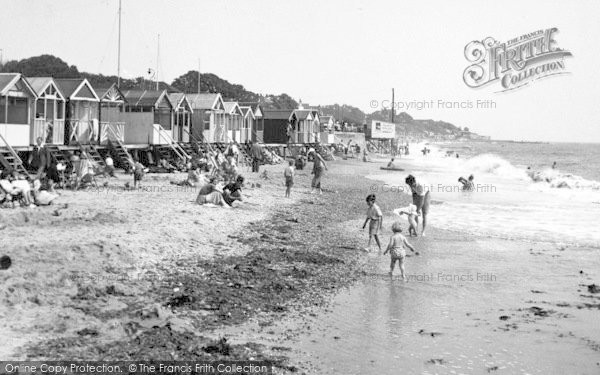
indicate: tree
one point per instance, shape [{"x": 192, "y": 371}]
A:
[
  {"x": 466, "y": 129},
  {"x": 42, "y": 66}
]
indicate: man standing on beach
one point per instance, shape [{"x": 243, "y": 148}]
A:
[
  {"x": 40, "y": 158},
  {"x": 421, "y": 198},
  {"x": 256, "y": 153}
]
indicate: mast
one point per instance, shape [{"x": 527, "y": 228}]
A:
[
  {"x": 157, "y": 57},
  {"x": 198, "y": 75},
  {"x": 393, "y": 105},
  {"x": 119, "y": 51}
]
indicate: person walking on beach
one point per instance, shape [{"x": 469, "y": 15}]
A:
[
  {"x": 289, "y": 178},
  {"x": 421, "y": 198},
  {"x": 375, "y": 216},
  {"x": 318, "y": 167},
  {"x": 397, "y": 250}
]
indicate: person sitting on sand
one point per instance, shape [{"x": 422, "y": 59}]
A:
[
  {"x": 211, "y": 193},
  {"x": 467, "y": 184},
  {"x": 15, "y": 188},
  {"x": 391, "y": 164},
  {"x": 411, "y": 212},
  {"x": 42, "y": 197},
  {"x": 233, "y": 191},
  {"x": 397, "y": 249},
  {"x": 375, "y": 216}
]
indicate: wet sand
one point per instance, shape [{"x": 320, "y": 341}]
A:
[{"x": 139, "y": 275}]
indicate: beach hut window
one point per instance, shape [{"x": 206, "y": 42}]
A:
[
  {"x": 17, "y": 111},
  {"x": 59, "y": 110}
]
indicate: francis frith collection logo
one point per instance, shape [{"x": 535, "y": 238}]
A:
[{"x": 515, "y": 63}]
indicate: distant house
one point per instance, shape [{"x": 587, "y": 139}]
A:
[
  {"x": 112, "y": 105},
  {"x": 49, "y": 120},
  {"x": 258, "y": 129},
  {"x": 233, "y": 121},
  {"x": 81, "y": 123},
  {"x": 149, "y": 117},
  {"x": 208, "y": 117},
  {"x": 17, "y": 102},
  {"x": 182, "y": 117},
  {"x": 275, "y": 124}
]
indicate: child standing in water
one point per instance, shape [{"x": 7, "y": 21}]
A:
[
  {"x": 376, "y": 217},
  {"x": 397, "y": 250},
  {"x": 289, "y": 178},
  {"x": 411, "y": 212}
]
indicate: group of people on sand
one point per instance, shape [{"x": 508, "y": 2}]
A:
[
  {"x": 218, "y": 178},
  {"x": 398, "y": 242}
]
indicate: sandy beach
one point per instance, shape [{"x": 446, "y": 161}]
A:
[{"x": 285, "y": 280}]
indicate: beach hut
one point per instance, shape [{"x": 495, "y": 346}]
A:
[
  {"x": 233, "y": 121},
  {"x": 112, "y": 105},
  {"x": 208, "y": 117},
  {"x": 303, "y": 125},
  {"x": 182, "y": 117},
  {"x": 81, "y": 121},
  {"x": 275, "y": 124},
  {"x": 327, "y": 123},
  {"x": 17, "y": 103},
  {"x": 149, "y": 117},
  {"x": 49, "y": 120},
  {"x": 247, "y": 124},
  {"x": 256, "y": 132}
]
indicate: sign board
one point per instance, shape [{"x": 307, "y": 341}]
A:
[{"x": 381, "y": 129}]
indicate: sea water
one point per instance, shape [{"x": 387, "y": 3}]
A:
[{"x": 517, "y": 195}]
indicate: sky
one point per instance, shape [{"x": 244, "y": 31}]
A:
[{"x": 339, "y": 51}]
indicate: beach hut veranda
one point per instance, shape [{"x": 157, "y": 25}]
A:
[
  {"x": 81, "y": 121},
  {"x": 50, "y": 107},
  {"x": 112, "y": 105}
]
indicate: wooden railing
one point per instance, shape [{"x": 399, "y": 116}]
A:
[
  {"x": 112, "y": 131},
  {"x": 85, "y": 128},
  {"x": 41, "y": 129}
]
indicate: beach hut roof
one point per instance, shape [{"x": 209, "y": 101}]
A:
[
  {"x": 76, "y": 88},
  {"x": 255, "y": 107},
  {"x": 180, "y": 100},
  {"x": 8, "y": 81},
  {"x": 146, "y": 98},
  {"x": 212, "y": 101},
  {"x": 247, "y": 110},
  {"x": 110, "y": 93},
  {"x": 326, "y": 118},
  {"x": 232, "y": 108},
  {"x": 277, "y": 114},
  {"x": 302, "y": 114}
]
